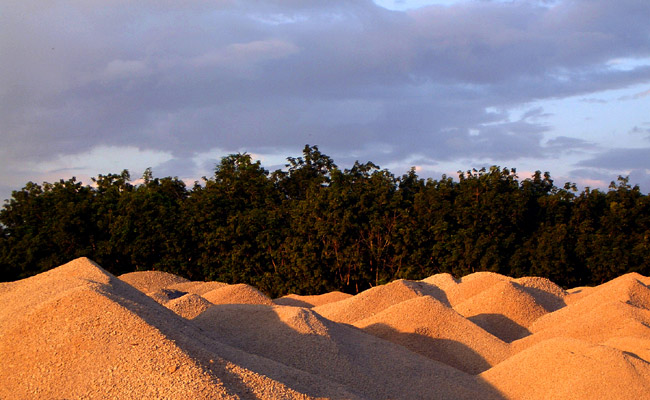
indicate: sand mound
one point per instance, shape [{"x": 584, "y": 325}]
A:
[
  {"x": 151, "y": 281},
  {"x": 78, "y": 332},
  {"x": 196, "y": 287},
  {"x": 374, "y": 300},
  {"x": 574, "y": 295},
  {"x": 311, "y": 301},
  {"x": 25, "y": 294},
  {"x": 237, "y": 294},
  {"x": 473, "y": 284},
  {"x": 444, "y": 281},
  {"x": 367, "y": 366},
  {"x": 546, "y": 293},
  {"x": 631, "y": 288},
  {"x": 626, "y": 288},
  {"x": 569, "y": 369},
  {"x": 604, "y": 322},
  {"x": 428, "y": 327},
  {"x": 163, "y": 296},
  {"x": 486, "y": 276},
  {"x": 189, "y": 305},
  {"x": 76, "y": 355},
  {"x": 631, "y": 345},
  {"x": 504, "y": 309},
  {"x": 5, "y": 287}
]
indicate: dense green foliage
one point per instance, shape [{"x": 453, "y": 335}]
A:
[{"x": 314, "y": 228}]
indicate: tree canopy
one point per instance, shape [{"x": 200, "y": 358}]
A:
[{"x": 313, "y": 227}]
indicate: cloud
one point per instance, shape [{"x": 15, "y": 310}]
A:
[
  {"x": 535, "y": 114},
  {"x": 619, "y": 159},
  {"x": 244, "y": 55},
  {"x": 594, "y": 101},
  {"x": 601, "y": 179},
  {"x": 122, "y": 69},
  {"x": 636, "y": 96},
  {"x": 565, "y": 144},
  {"x": 105, "y": 158},
  {"x": 357, "y": 79}
]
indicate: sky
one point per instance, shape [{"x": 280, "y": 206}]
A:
[{"x": 94, "y": 87}]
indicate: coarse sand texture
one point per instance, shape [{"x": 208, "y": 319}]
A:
[
  {"x": 376, "y": 299},
  {"x": 563, "y": 368},
  {"x": 78, "y": 332},
  {"x": 428, "y": 327},
  {"x": 236, "y": 294},
  {"x": 504, "y": 309},
  {"x": 311, "y": 301}
]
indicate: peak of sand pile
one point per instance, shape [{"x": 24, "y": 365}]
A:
[
  {"x": 632, "y": 288},
  {"x": 296, "y": 300},
  {"x": 628, "y": 288},
  {"x": 444, "y": 281},
  {"x": 631, "y": 345},
  {"x": 473, "y": 284},
  {"x": 504, "y": 309},
  {"x": 597, "y": 325},
  {"x": 151, "y": 281},
  {"x": 568, "y": 369},
  {"x": 197, "y": 287},
  {"x": 546, "y": 293},
  {"x": 189, "y": 305},
  {"x": 164, "y": 296},
  {"x": 240, "y": 293},
  {"x": 574, "y": 295},
  {"x": 376, "y": 299},
  {"x": 21, "y": 296},
  {"x": 485, "y": 276},
  {"x": 426, "y": 326},
  {"x": 78, "y": 332},
  {"x": 365, "y": 365}
]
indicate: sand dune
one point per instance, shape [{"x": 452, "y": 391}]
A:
[
  {"x": 546, "y": 293},
  {"x": 428, "y": 327},
  {"x": 188, "y": 306},
  {"x": 575, "y": 294},
  {"x": 311, "y": 301},
  {"x": 473, "y": 284},
  {"x": 164, "y": 296},
  {"x": 367, "y": 366},
  {"x": 376, "y": 299},
  {"x": 196, "y": 287},
  {"x": 236, "y": 294},
  {"x": 151, "y": 281},
  {"x": 504, "y": 309},
  {"x": 444, "y": 281},
  {"x": 79, "y": 332},
  {"x": 631, "y": 345},
  {"x": 563, "y": 368},
  {"x": 627, "y": 289},
  {"x": 600, "y": 324}
]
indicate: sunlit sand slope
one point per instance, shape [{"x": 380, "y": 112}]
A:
[{"x": 79, "y": 332}]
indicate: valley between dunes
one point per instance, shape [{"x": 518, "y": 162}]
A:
[{"x": 78, "y": 332}]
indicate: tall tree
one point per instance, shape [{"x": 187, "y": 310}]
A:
[
  {"x": 148, "y": 228},
  {"x": 45, "y": 226},
  {"x": 233, "y": 220}
]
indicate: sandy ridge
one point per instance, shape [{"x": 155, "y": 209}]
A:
[{"x": 79, "y": 332}]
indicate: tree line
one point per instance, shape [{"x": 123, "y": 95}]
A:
[{"x": 313, "y": 227}]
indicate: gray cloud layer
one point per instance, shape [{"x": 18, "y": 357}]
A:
[{"x": 185, "y": 77}]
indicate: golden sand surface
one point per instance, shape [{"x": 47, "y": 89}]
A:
[
  {"x": 311, "y": 301},
  {"x": 78, "y": 332}
]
